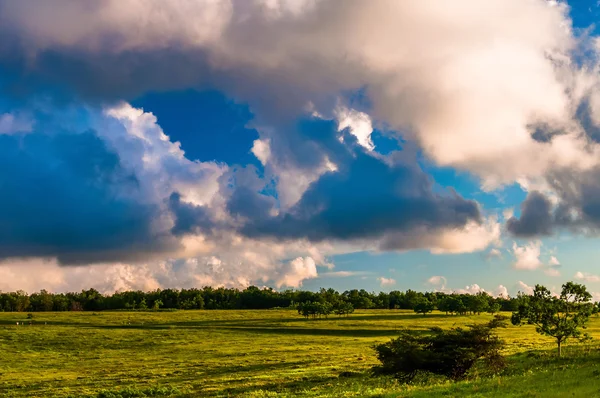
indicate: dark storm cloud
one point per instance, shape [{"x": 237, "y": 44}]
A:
[
  {"x": 364, "y": 198},
  {"x": 577, "y": 206},
  {"x": 536, "y": 217},
  {"x": 64, "y": 195},
  {"x": 367, "y": 200},
  {"x": 189, "y": 218}
]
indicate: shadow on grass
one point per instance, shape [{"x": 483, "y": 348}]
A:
[
  {"x": 318, "y": 331},
  {"x": 260, "y": 325}
]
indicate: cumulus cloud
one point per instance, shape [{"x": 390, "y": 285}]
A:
[
  {"x": 475, "y": 72},
  {"x": 385, "y": 282},
  {"x": 437, "y": 280},
  {"x": 527, "y": 257},
  {"x": 587, "y": 277},
  {"x": 496, "y": 89},
  {"x": 522, "y": 287},
  {"x": 535, "y": 217},
  {"x": 501, "y": 291},
  {"x": 470, "y": 289},
  {"x": 299, "y": 269}
]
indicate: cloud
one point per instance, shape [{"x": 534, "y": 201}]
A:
[
  {"x": 535, "y": 217},
  {"x": 584, "y": 276},
  {"x": 367, "y": 198},
  {"x": 514, "y": 81},
  {"x": 359, "y": 124},
  {"x": 299, "y": 269},
  {"x": 527, "y": 257},
  {"x": 384, "y": 282},
  {"x": 493, "y": 253},
  {"x": 342, "y": 274},
  {"x": 499, "y": 91},
  {"x": 437, "y": 280},
  {"x": 67, "y": 196},
  {"x": 14, "y": 124},
  {"x": 470, "y": 289},
  {"x": 524, "y": 288},
  {"x": 501, "y": 291}
]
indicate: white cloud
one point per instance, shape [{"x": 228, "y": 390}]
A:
[
  {"x": 587, "y": 277},
  {"x": 482, "y": 77},
  {"x": 358, "y": 123},
  {"x": 553, "y": 262},
  {"x": 524, "y": 288},
  {"x": 299, "y": 269},
  {"x": 384, "y": 282},
  {"x": 464, "y": 82},
  {"x": 552, "y": 272},
  {"x": 501, "y": 291},
  {"x": 437, "y": 280},
  {"x": 342, "y": 274},
  {"x": 527, "y": 257},
  {"x": 471, "y": 289},
  {"x": 494, "y": 253},
  {"x": 262, "y": 150}
]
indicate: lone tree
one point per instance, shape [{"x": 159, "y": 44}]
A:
[{"x": 560, "y": 317}]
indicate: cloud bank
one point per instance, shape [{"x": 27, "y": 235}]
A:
[{"x": 504, "y": 90}]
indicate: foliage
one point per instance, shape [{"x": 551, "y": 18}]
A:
[
  {"x": 424, "y": 306},
  {"x": 250, "y": 298},
  {"x": 560, "y": 317},
  {"x": 315, "y": 309},
  {"x": 451, "y": 353}
]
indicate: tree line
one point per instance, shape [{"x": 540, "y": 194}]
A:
[{"x": 256, "y": 298}]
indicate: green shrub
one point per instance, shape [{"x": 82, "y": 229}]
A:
[{"x": 451, "y": 353}]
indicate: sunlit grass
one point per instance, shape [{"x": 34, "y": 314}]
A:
[{"x": 259, "y": 354}]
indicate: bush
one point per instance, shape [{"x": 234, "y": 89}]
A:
[{"x": 451, "y": 353}]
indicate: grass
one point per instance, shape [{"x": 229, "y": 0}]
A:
[{"x": 271, "y": 353}]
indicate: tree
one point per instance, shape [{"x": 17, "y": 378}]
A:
[
  {"x": 494, "y": 308},
  {"x": 423, "y": 306},
  {"x": 560, "y": 317},
  {"x": 157, "y": 304},
  {"x": 451, "y": 353},
  {"x": 342, "y": 308}
]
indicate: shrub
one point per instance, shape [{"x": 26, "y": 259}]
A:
[{"x": 451, "y": 353}]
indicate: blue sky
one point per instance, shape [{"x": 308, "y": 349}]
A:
[{"x": 426, "y": 148}]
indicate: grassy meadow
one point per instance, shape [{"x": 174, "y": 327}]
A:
[{"x": 262, "y": 353}]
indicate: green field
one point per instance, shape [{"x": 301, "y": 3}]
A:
[{"x": 269, "y": 353}]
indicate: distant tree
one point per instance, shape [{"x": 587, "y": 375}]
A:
[
  {"x": 444, "y": 304},
  {"x": 21, "y": 301},
  {"x": 494, "y": 308},
  {"x": 560, "y": 317},
  {"x": 343, "y": 308},
  {"x": 423, "y": 306},
  {"x": 143, "y": 305},
  {"x": 451, "y": 353},
  {"x": 156, "y": 305},
  {"x": 479, "y": 302}
]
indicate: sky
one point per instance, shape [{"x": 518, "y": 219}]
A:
[{"x": 299, "y": 144}]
